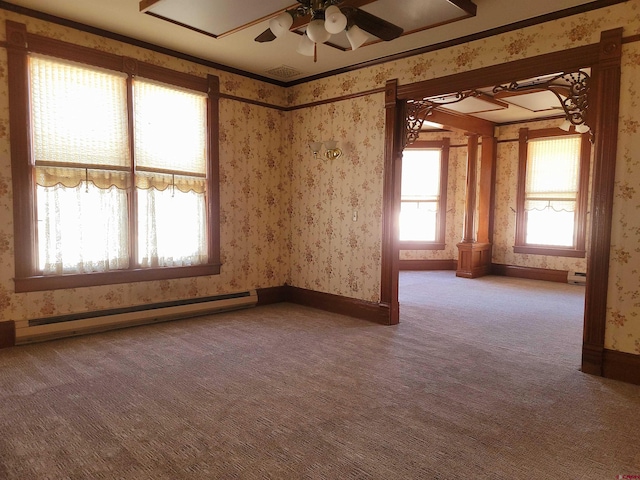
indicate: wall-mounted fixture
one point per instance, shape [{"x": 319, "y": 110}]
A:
[{"x": 332, "y": 151}]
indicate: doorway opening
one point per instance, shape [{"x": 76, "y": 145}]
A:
[{"x": 603, "y": 60}]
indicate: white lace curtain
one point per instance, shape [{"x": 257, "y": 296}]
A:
[
  {"x": 170, "y": 151},
  {"x": 83, "y": 169}
]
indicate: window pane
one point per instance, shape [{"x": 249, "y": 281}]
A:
[
  {"x": 170, "y": 136},
  {"x": 420, "y": 174},
  {"x": 552, "y": 180},
  {"x": 418, "y": 221},
  {"x": 549, "y": 227},
  {"x": 78, "y": 114},
  {"x": 79, "y": 119},
  {"x": 553, "y": 166},
  {"x": 82, "y": 229},
  {"x": 420, "y": 194},
  {"x": 170, "y": 128},
  {"x": 171, "y": 228}
]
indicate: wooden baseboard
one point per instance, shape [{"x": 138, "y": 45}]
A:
[
  {"x": 531, "y": 273},
  {"x": 428, "y": 264},
  {"x": 592, "y": 359},
  {"x": 352, "y": 307},
  {"x": 621, "y": 366},
  {"x": 7, "y": 334},
  {"x": 267, "y": 296}
]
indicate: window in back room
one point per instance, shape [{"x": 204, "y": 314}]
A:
[
  {"x": 423, "y": 195},
  {"x": 552, "y": 193}
]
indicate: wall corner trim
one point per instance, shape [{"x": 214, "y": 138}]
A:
[{"x": 352, "y": 307}]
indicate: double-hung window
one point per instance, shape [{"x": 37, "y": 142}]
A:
[
  {"x": 119, "y": 168},
  {"x": 552, "y": 193},
  {"x": 424, "y": 195}
]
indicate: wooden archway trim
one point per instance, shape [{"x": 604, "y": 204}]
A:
[{"x": 604, "y": 58}]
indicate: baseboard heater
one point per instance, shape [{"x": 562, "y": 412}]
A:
[
  {"x": 48, "y": 328},
  {"x": 577, "y": 278}
]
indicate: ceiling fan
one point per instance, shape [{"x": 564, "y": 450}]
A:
[{"x": 324, "y": 18}]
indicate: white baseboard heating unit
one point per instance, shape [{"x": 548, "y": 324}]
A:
[
  {"x": 577, "y": 278},
  {"x": 48, "y": 328}
]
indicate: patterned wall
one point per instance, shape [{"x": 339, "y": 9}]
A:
[
  {"x": 330, "y": 252},
  {"x": 623, "y": 305},
  {"x": 323, "y": 248}
]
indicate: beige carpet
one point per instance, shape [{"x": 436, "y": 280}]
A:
[{"x": 285, "y": 391}]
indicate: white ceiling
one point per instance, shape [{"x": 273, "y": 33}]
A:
[{"x": 238, "y": 50}]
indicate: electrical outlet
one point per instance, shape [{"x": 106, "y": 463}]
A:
[{"x": 354, "y": 217}]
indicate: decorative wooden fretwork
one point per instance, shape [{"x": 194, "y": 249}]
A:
[
  {"x": 571, "y": 89},
  {"x": 419, "y": 110}
]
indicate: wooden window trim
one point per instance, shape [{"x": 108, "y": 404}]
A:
[
  {"x": 439, "y": 242},
  {"x": 20, "y": 44},
  {"x": 579, "y": 248}
]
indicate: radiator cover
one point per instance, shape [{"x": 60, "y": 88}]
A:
[{"x": 47, "y": 328}]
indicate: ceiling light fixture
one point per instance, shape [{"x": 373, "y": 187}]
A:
[
  {"x": 356, "y": 37},
  {"x": 565, "y": 125},
  {"x": 281, "y": 24},
  {"x": 324, "y": 18}
]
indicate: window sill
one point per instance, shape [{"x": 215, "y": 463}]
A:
[
  {"x": 550, "y": 251},
  {"x": 57, "y": 282},
  {"x": 406, "y": 245}
]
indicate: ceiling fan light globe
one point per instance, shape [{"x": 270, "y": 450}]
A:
[
  {"x": 306, "y": 46},
  {"x": 582, "y": 128},
  {"x": 566, "y": 125},
  {"x": 281, "y": 24},
  {"x": 317, "y": 32},
  {"x": 334, "y": 20},
  {"x": 356, "y": 37}
]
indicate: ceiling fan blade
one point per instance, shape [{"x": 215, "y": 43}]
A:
[
  {"x": 375, "y": 25},
  {"x": 266, "y": 36}
]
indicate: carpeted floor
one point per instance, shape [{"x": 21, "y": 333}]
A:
[{"x": 284, "y": 391}]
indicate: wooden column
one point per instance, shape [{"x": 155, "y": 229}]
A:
[
  {"x": 470, "y": 201},
  {"x": 604, "y": 122},
  {"x": 474, "y": 258},
  {"x": 394, "y": 144},
  {"x": 486, "y": 187}
]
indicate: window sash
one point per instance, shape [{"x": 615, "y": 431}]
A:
[
  {"x": 78, "y": 114},
  {"x": 169, "y": 128}
]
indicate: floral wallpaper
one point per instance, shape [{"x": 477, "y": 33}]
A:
[
  {"x": 623, "y": 303},
  {"x": 336, "y": 206},
  {"x": 288, "y": 217}
]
